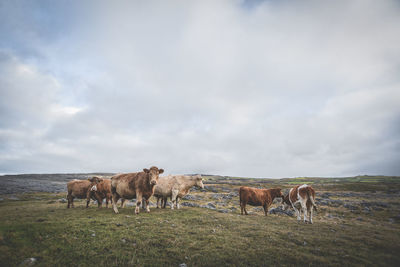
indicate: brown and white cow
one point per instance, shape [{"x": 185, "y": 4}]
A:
[
  {"x": 257, "y": 197},
  {"x": 134, "y": 185},
  {"x": 79, "y": 189},
  {"x": 100, "y": 191},
  {"x": 303, "y": 195},
  {"x": 175, "y": 187}
]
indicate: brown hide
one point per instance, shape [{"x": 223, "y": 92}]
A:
[
  {"x": 77, "y": 189},
  {"x": 257, "y": 197},
  {"x": 134, "y": 185},
  {"x": 305, "y": 196},
  {"x": 305, "y": 193},
  {"x": 103, "y": 191}
]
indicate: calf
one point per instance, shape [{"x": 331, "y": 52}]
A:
[
  {"x": 305, "y": 195},
  {"x": 100, "y": 191},
  {"x": 257, "y": 197},
  {"x": 79, "y": 189},
  {"x": 134, "y": 185},
  {"x": 175, "y": 187}
]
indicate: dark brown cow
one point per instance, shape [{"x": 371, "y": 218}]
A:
[
  {"x": 100, "y": 191},
  {"x": 134, "y": 185},
  {"x": 257, "y": 197},
  {"x": 305, "y": 195},
  {"x": 79, "y": 189}
]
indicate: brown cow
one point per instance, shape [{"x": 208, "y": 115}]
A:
[
  {"x": 79, "y": 189},
  {"x": 100, "y": 191},
  {"x": 134, "y": 185},
  {"x": 305, "y": 195},
  {"x": 257, "y": 197}
]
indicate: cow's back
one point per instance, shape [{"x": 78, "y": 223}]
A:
[
  {"x": 78, "y": 188},
  {"x": 107, "y": 185},
  {"x": 164, "y": 186},
  {"x": 126, "y": 184},
  {"x": 183, "y": 183},
  {"x": 252, "y": 196},
  {"x": 293, "y": 194},
  {"x": 104, "y": 187}
]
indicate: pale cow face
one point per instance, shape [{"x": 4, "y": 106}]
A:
[
  {"x": 154, "y": 172},
  {"x": 94, "y": 180},
  {"x": 199, "y": 181},
  {"x": 285, "y": 202},
  {"x": 285, "y": 206}
]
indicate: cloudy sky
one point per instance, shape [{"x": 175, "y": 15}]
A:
[{"x": 244, "y": 88}]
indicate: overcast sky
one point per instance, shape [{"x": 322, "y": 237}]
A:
[{"x": 243, "y": 88}]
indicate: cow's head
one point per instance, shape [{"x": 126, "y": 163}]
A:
[
  {"x": 285, "y": 202},
  {"x": 94, "y": 180},
  {"x": 280, "y": 194},
  {"x": 199, "y": 181},
  {"x": 153, "y": 174}
]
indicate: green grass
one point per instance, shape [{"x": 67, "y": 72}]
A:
[
  {"x": 46, "y": 230},
  {"x": 38, "y": 226}
]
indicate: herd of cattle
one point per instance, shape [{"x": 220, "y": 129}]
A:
[{"x": 143, "y": 185}]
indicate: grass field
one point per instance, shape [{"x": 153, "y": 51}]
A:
[{"x": 37, "y": 225}]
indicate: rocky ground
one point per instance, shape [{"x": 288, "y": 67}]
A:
[{"x": 221, "y": 194}]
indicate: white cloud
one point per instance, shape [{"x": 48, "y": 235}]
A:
[{"x": 272, "y": 89}]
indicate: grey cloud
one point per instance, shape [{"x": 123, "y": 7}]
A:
[{"x": 263, "y": 89}]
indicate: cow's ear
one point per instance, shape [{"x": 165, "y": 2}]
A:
[
  {"x": 146, "y": 170},
  {"x": 198, "y": 177},
  {"x": 100, "y": 180},
  {"x": 160, "y": 171}
]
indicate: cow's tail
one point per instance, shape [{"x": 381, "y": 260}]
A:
[{"x": 311, "y": 198}]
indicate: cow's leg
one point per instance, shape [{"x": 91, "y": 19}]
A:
[
  {"x": 158, "y": 201},
  {"x": 115, "y": 198},
  {"x": 122, "y": 203},
  {"x": 108, "y": 198},
  {"x": 244, "y": 208},
  {"x": 138, "y": 201},
  {"x": 99, "y": 201},
  {"x": 147, "y": 205},
  {"x": 304, "y": 209},
  {"x": 297, "y": 212},
  {"x": 177, "y": 203},
  {"x": 143, "y": 204},
  {"x": 69, "y": 198},
  {"x": 265, "y": 209},
  {"x": 87, "y": 200},
  {"x": 173, "y": 198},
  {"x": 91, "y": 195},
  {"x": 241, "y": 208},
  {"x": 164, "y": 202},
  {"x": 311, "y": 214}
]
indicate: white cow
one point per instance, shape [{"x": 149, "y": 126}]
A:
[{"x": 175, "y": 187}]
